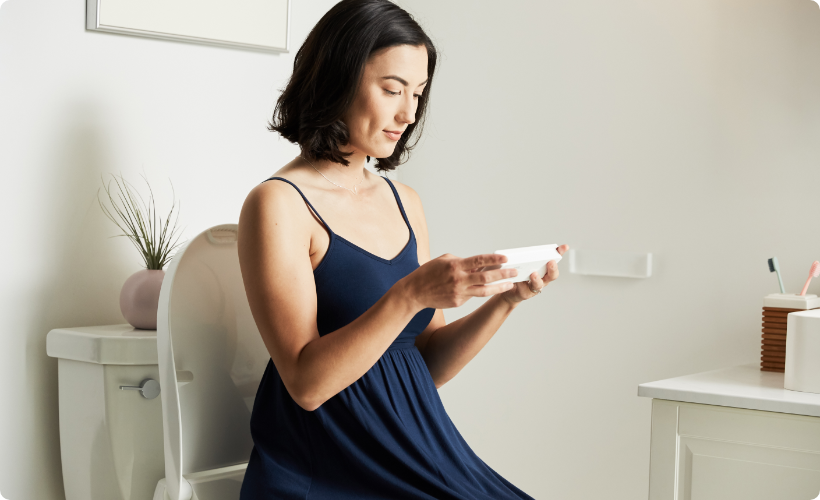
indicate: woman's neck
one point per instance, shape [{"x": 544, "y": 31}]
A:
[{"x": 347, "y": 176}]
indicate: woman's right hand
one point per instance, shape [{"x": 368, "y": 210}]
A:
[{"x": 449, "y": 281}]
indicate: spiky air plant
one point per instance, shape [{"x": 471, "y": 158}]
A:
[{"x": 139, "y": 222}]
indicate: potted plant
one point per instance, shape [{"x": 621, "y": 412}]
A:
[{"x": 139, "y": 296}]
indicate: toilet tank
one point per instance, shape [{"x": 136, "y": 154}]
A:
[{"x": 110, "y": 439}]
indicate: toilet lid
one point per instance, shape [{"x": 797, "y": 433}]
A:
[{"x": 211, "y": 358}]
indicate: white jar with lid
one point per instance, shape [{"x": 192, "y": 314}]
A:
[{"x": 803, "y": 352}]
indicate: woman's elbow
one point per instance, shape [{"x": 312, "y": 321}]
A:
[
  {"x": 299, "y": 387},
  {"x": 308, "y": 404},
  {"x": 307, "y": 399},
  {"x": 439, "y": 381}
]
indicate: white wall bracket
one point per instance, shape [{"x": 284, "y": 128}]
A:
[{"x": 614, "y": 264}]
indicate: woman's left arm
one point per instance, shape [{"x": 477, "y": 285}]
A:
[{"x": 447, "y": 348}]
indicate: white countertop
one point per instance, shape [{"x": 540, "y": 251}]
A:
[{"x": 743, "y": 386}]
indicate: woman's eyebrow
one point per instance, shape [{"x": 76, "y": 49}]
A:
[{"x": 401, "y": 80}]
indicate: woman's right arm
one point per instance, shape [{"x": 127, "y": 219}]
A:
[{"x": 274, "y": 244}]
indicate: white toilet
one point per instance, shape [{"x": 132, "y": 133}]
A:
[{"x": 118, "y": 440}]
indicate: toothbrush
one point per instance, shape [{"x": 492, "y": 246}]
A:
[
  {"x": 774, "y": 267},
  {"x": 813, "y": 273}
]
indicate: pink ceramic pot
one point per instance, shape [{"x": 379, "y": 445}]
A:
[{"x": 139, "y": 298}]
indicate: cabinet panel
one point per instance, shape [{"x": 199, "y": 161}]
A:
[
  {"x": 722, "y": 470},
  {"x": 704, "y": 452}
]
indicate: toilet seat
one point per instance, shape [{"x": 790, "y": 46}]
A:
[{"x": 211, "y": 360}]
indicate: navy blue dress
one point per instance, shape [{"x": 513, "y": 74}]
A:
[{"x": 385, "y": 436}]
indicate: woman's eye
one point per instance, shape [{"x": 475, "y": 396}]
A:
[{"x": 390, "y": 92}]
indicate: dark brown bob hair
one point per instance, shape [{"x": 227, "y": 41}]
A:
[{"x": 326, "y": 74}]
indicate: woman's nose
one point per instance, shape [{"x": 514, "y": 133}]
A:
[{"x": 407, "y": 113}]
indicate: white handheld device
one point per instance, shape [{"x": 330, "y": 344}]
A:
[{"x": 526, "y": 260}]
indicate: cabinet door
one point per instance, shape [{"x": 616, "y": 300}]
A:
[{"x": 704, "y": 452}]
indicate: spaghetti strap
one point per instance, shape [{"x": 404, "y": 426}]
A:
[
  {"x": 304, "y": 198},
  {"x": 398, "y": 200}
]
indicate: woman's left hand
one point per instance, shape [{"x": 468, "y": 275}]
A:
[{"x": 524, "y": 290}]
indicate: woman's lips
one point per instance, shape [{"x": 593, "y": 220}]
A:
[{"x": 395, "y": 136}]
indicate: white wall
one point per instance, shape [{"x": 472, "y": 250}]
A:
[
  {"x": 75, "y": 104},
  {"x": 688, "y": 129},
  {"x": 683, "y": 128}
]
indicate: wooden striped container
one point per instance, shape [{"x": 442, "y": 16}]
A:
[{"x": 776, "y": 308}]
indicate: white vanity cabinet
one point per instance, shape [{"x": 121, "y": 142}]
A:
[{"x": 733, "y": 433}]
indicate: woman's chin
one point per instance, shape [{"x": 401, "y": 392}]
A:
[
  {"x": 384, "y": 152},
  {"x": 379, "y": 150}
]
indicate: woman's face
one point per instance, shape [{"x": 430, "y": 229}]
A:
[{"x": 386, "y": 102}]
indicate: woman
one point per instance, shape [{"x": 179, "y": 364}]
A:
[{"x": 348, "y": 406}]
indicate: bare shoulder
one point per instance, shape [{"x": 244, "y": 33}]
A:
[
  {"x": 276, "y": 195},
  {"x": 410, "y": 199},
  {"x": 272, "y": 191},
  {"x": 274, "y": 205}
]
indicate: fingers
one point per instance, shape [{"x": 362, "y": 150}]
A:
[
  {"x": 552, "y": 266},
  {"x": 488, "y": 290},
  {"x": 536, "y": 283},
  {"x": 552, "y": 272},
  {"x": 488, "y": 276},
  {"x": 483, "y": 270},
  {"x": 487, "y": 259}
]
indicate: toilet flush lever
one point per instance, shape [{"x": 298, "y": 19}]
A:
[{"x": 148, "y": 387}]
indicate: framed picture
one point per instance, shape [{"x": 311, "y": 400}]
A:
[{"x": 251, "y": 24}]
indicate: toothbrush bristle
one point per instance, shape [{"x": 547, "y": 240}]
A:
[
  {"x": 815, "y": 269},
  {"x": 771, "y": 265}
]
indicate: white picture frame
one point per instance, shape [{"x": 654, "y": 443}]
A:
[{"x": 250, "y": 24}]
